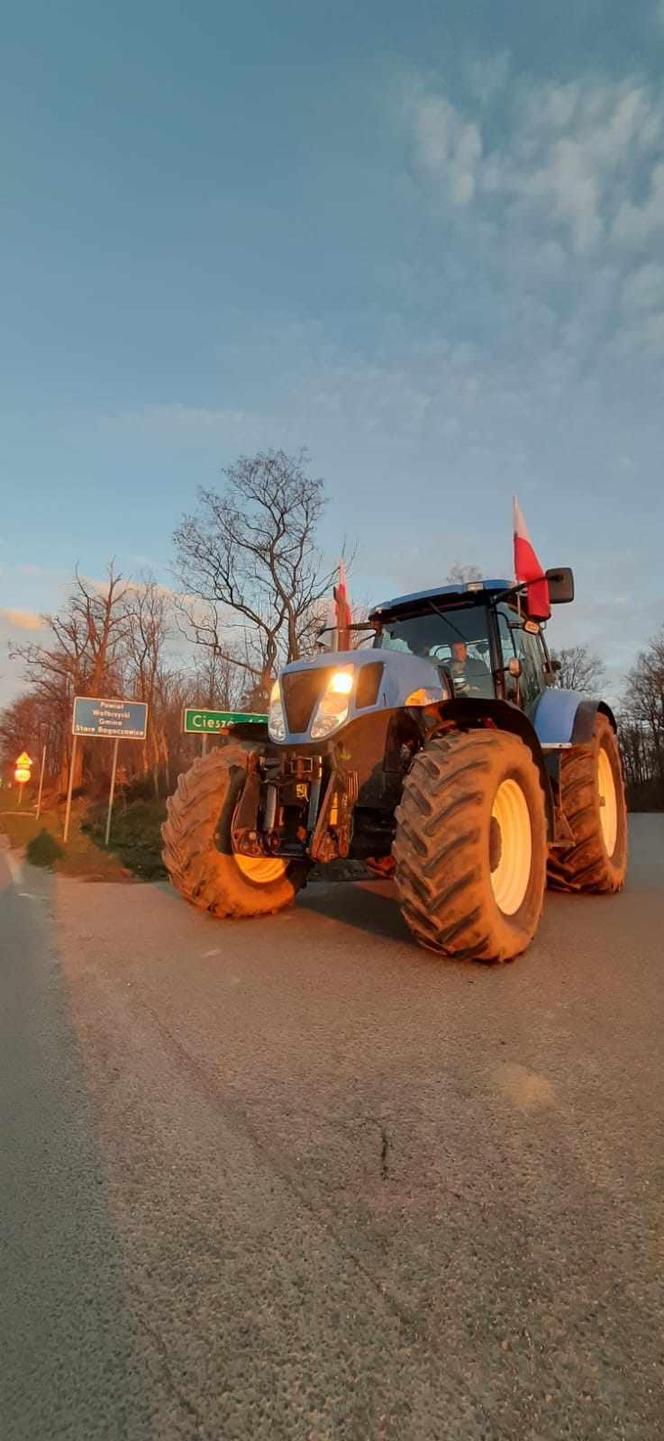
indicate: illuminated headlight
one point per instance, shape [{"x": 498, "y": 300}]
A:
[
  {"x": 332, "y": 708},
  {"x": 276, "y": 720}
]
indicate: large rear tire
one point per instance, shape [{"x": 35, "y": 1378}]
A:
[
  {"x": 470, "y": 846},
  {"x": 198, "y": 850},
  {"x": 592, "y": 799}
]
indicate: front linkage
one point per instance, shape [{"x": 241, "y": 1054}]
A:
[{"x": 296, "y": 806}]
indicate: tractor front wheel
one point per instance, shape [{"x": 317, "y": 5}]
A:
[
  {"x": 592, "y": 799},
  {"x": 470, "y": 847},
  {"x": 198, "y": 849}
]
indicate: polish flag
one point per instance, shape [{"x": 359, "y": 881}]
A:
[
  {"x": 343, "y": 612},
  {"x": 528, "y": 569}
]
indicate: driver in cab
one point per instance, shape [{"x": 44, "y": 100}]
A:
[{"x": 469, "y": 674}]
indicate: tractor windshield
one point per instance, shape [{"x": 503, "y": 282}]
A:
[{"x": 457, "y": 639}]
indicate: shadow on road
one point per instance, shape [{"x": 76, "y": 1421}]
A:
[
  {"x": 368, "y": 905},
  {"x": 372, "y": 906}
]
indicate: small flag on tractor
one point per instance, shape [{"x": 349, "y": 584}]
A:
[
  {"x": 343, "y": 613},
  {"x": 528, "y": 570}
]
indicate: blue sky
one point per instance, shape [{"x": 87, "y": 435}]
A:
[{"x": 425, "y": 241}]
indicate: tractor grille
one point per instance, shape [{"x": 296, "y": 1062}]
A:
[{"x": 301, "y": 689}]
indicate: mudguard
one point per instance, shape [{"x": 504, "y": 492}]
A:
[{"x": 564, "y": 717}]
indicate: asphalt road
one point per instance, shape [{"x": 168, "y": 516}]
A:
[{"x": 295, "y": 1178}]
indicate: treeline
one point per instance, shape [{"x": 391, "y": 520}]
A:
[
  {"x": 117, "y": 638},
  {"x": 250, "y": 598},
  {"x": 640, "y": 715},
  {"x": 642, "y": 728},
  {"x": 250, "y": 595}
]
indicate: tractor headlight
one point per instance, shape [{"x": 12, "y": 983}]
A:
[
  {"x": 276, "y": 720},
  {"x": 333, "y": 706}
]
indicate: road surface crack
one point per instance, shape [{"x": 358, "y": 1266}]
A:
[
  {"x": 237, "y": 1117},
  {"x": 384, "y": 1148},
  {"x": 186, "y": 1403}
]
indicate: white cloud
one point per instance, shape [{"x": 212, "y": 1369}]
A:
[
  {"x": 567, "y": 185},
  {"x": 21, "y": 619},
  {"x": 488, "y": 76},
  {"x": 649, "y": 335},
  {"x": 644, "y": 288},
  {"x": 566, "y": 162},
  {"x": 447, "y": 146},
  {"x": 635, "y": 225}
]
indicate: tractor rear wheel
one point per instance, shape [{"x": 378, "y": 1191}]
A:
[
  {"x": 592, "y": 799},
  {"x": 198, "y": 849},
  {"x": 470, "y": 846}
]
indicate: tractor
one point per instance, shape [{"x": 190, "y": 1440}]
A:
[{"x": 440, "y": 751}]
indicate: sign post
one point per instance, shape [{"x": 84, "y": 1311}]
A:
[
  {"x": 111, "y": 792},
  {"x": 106, "y": 719},
  {"x": 41, "y": 783},
  {"x": 71, "y": 787}
]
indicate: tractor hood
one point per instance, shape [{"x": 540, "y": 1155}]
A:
[{"x": 372, "y": 680}]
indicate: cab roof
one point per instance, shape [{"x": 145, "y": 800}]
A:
[{"x": 473, "y": 590}]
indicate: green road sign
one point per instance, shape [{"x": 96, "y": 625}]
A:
[{"x": 206, "y": 722}]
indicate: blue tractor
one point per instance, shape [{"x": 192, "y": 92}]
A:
[{"x": 439, "y": 750}]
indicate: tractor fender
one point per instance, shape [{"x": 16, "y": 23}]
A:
[
  {"x": 564, "y": 717},
  {"x": 584, "y": 721},
  {"x": 471, "y": 713}
]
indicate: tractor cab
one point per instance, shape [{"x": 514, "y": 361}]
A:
[{"x": 476, "y": 636}]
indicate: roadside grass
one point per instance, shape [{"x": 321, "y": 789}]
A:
[
  {"x": 135, "y": 835},
  {"x": 134, "y": 851}
]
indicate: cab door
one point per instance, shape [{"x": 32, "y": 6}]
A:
[{"x": 514, "y": 641}]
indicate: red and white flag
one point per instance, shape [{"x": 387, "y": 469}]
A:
[
  {"x": 528, "y": 569},
  {"x": 342, "y": 610}
]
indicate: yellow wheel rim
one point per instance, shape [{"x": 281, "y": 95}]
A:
[
  {"x": 608, "y": 802},
  {"x": 510, "y": 847},
  {"x": 262, "y": 870}
]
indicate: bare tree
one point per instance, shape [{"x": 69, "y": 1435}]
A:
[
  {"x": 23, "y": 726},
  {"x": 642, "y": 725},
  {"x": 645, "y": 786},
  {"x": 82, "y": 656},
  {"x": 580, "y": 668},
  {"x": 249, "y": 555},
  {"x": 146, "y": 635},
  {"x": 219, "y": 681}
]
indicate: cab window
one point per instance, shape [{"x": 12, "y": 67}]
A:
[
  {"x": 455, "y": 639},
  {"x": 527, "y": 647}
]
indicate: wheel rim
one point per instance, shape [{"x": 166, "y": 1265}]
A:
[
  {"x": 262, "y": 870},
  {"x": 608, "y": 801},
  {"x": 511, "y": 847}
]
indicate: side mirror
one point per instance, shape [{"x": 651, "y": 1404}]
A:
[{"x": 561, "y": 584}]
